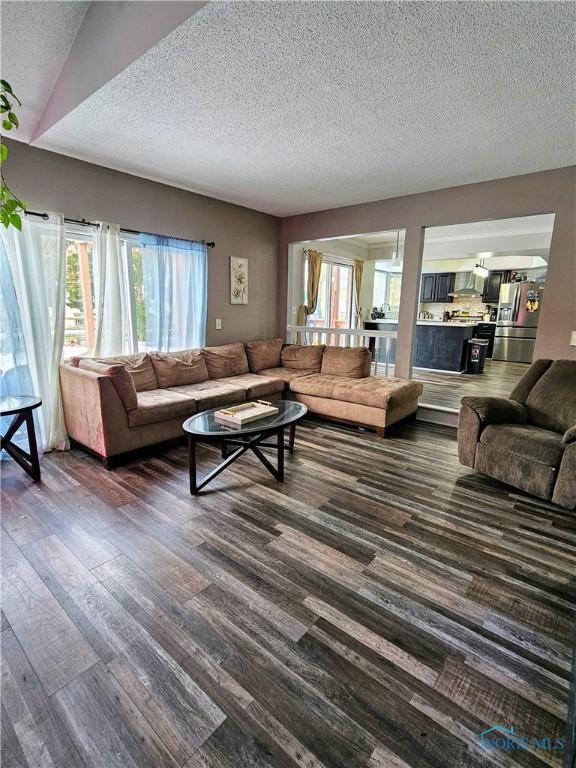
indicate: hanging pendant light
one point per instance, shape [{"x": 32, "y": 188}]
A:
[{"x": 396, "y": 256}]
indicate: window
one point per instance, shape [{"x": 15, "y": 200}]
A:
[
  {"x": 387, "y": 287},
  {"x": 132, "y": 253},
  {"x": 161, "y": 290},
  {"x": 79, "y": 317},
  {"x": 394, "y": 288},
  {"x": 334, "y": 305}
]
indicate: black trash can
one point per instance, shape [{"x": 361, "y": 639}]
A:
[{"x": 476, "y": 355}]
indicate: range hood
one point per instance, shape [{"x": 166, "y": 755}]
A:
[{"x": 469, "y": 291}]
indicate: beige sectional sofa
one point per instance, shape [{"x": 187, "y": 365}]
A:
[{"x": 121, "y": 405}]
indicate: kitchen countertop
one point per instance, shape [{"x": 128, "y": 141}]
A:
[{"x": 451, "y": 323}]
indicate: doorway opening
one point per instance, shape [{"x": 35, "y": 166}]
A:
[
  {"x": 345, "y": 291},
  {"x": 481, "y": 281}
]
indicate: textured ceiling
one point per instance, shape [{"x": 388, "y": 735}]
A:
[
  {"x": 297, "y": 106},
  {"x": 36, "y": 38}
]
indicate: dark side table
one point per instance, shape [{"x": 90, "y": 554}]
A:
[{"x": 21, "y": 408}]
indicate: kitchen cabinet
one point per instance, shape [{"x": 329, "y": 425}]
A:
[
  {"x": 444, "y": 287},
  {"x": 436, "y": 288},
  {"x": 428, "y": 289},
  {"x": 492, "y": 285},
  {"x": 442, "y": 346}
]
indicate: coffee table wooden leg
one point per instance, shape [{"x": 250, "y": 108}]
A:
[
  {"x": 192, "y": 465},
  {"x": 33, "y": 446}
]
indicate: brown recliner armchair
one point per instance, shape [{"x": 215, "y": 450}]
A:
[{"x": 529, "y": 439}]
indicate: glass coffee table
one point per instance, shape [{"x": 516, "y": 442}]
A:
[{"x": 203, "y": 428}]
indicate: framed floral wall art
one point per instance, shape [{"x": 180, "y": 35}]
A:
[{"x": 238, "y": 280}]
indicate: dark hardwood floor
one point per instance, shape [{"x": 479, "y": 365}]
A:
[
  {"x": 447, "y": 389},
  {"x": 381, "y": 608}
]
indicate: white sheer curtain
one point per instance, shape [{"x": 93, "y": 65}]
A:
[
  {"x": 32, "y": 271},
  {"x": 114, "y": 295}
]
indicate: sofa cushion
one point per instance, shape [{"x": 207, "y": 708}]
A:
[
  {"x": 255, "y": 385},
  {"x": 175, "y": 369},
  {"x": 139, "y": 367},
  {"x": 226, "y": 360},
  {"x": 352, "y": 362},
  {"x": 263, "y": 354},
  {"x": 286, "y": 374},
  {"x": 377, "y": 392},
  {"x": 160, "y": 405},
  {"x": 211, "y": 394},
  {"x": 552, "y": 401},
  {"x": 121, "y": 379},
  {"x": 533, "y": 443},
  {"x": 299, "y": 357}
]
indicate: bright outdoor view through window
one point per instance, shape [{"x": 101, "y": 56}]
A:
[{"x": 81, "y": 294}]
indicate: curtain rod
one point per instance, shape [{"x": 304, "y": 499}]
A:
[
  {"x": 85, "y": 223},
  {"x": 210, "y": 244},
  {"x": 45, "y": 216}
]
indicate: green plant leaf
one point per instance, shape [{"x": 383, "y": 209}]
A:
[
  {"x": 3, "y": 152},
  {"x": 6, "y": 85},
  {"x": 7, "y": 125},
  {"x": 13, "y": 119},
  {"x": 16, "y": 221}
]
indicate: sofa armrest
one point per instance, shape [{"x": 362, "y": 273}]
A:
[
  {"x": 93, "y": 410},
  {"x": 478, "y": 412},
  {"x": 570, "y": 435},
  {"x": 469, "y": 429},
  {"x": 565, "y": 488},
  {"x": 496, "y": 410}
]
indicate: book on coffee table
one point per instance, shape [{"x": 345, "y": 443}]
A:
[{"x": 246, "y": 412}]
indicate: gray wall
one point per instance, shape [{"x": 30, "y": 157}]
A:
[{"x": 48, "y": 181}]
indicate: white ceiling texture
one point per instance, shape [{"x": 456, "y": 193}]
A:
[{"x": 290, "y": 107}]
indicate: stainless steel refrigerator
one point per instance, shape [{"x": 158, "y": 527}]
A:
[{"x": 519, "y": 307}]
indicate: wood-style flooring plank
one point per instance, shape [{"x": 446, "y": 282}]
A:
[
  {"x": 379, "y": 609},
  {"x": 36, "y": 734},
  {"x": 55, "y": 647}
]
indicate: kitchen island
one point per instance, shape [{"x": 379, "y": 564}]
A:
[{"x": 439, "y": 346}]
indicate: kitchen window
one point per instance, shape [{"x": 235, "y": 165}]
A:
[{"x": 387, "y": 288}]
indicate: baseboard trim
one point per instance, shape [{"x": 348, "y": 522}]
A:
[{"x": 437, "y": 414}]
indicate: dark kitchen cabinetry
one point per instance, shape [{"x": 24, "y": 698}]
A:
[
  {"x": 492, "y": 284},
  {"x": 428, "y": 289},
  {"x": 437, "y": 288},
  {"x": 444, "y": 286}
]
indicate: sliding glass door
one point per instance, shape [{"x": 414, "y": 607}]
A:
[{"x": 334, "y": 307}]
